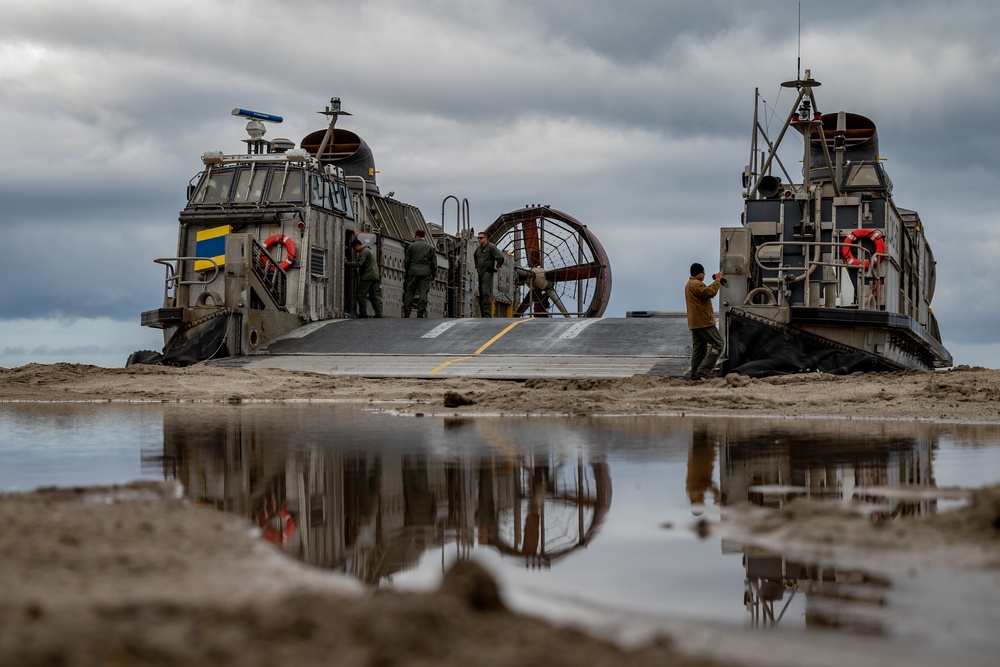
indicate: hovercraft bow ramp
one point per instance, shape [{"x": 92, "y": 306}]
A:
[{"x": 503, "y": 349}]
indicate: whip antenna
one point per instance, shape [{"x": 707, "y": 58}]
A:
[{"x": 798, "y": 54}]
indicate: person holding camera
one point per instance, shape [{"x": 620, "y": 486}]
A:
[{"x": 706, "y": 341}]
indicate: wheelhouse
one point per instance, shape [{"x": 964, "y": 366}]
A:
[{"x": 261, "y": 181}]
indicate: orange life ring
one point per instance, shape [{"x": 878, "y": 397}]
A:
[
  {"x": 874, "y": 235},
  {"x": 289, "y": 250},
  {"x": 278, "y": 527}
]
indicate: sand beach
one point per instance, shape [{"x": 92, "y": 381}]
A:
[{"x": 135, "y": 575}]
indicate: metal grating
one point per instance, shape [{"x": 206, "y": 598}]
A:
[{"x": 317, "y": 263}]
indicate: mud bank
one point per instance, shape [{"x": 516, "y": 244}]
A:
[
  {"x": 961, "y": 394},
  {"x": 136, "y": 575}
]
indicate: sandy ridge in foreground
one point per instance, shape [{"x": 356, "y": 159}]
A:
[{"x": 960, "y": 394}]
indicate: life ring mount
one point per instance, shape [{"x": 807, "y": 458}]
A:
[
  {"x": 272, "y": 241},
  {"x": 874, "y": 235}
]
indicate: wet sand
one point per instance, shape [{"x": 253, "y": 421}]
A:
[
  {"x": 135, "y": 575},
  {"x": 962, "y": 394}
]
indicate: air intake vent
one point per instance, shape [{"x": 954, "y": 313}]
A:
[{"x": 317, "y": 263}]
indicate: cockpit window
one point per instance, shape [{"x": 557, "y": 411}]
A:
[
  {"x": 863, "y": 174},
  {"x": 868, "y": 176},
  {"x": 249, "y": 186},
  {"x": 214, "y": 187},
  {"x": 259, "y": 185},
  {"x": 287, "y": 185},
  {"x": 319, "y": 192},
  {"x": 329, "y": 194}
]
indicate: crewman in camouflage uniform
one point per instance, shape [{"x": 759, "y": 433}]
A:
[
  {"x": 369, "y": 282},
  {"x": 419, "y": 267},
  {"x": 487, "y": 259}
]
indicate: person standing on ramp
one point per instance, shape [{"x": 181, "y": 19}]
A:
[
  {"x": 487, "y": 259},
  {"x": 369, "y": 282},
  {"x": 419, "y": 267}
]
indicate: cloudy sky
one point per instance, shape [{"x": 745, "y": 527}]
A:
[{"x": 633, "y": 116}]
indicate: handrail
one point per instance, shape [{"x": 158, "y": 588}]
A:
[
  {"x": 175, "y": 270},
  {"x": 461, "y": 213},
  {"x": 269, "y": 272},
  {"x": 365, "y": 226},
  {"x": 804, "y": 273},
  {"x": 172, "y": 284}
]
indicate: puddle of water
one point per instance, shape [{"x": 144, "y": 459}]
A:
[
  {"x": 70, "y": 444},
  {"x": 571, "y": 514}
]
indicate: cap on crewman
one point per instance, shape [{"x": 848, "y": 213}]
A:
[{"x": 697, "y": 268}]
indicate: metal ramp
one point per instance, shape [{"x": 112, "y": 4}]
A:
[{"x": 509, "y": 349}]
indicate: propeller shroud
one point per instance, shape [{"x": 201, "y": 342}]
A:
[{"x": 561, "y": 267}]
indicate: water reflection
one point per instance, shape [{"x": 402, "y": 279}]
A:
[
  {"x": 394, "y": 499},
  {"x": 700, "y": 482},
  {"x": 320, "y": 492},
  {"x": 864, "y": 466}
]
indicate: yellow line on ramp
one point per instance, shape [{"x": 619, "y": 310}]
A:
[{"x": 481, "y": 349}]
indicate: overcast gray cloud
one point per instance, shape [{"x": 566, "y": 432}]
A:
[{"x": 634, "y": 117}]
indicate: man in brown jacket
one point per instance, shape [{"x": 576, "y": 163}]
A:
[{"x": 706, "y": 341}]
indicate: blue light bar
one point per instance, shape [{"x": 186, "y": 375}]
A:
[{"x": 246, "y": 113}]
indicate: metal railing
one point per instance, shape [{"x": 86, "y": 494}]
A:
[
  {"x": 176, "y": 290},
  {"x": 787, "y": 275},
  {"x": 269, "y": 272}
]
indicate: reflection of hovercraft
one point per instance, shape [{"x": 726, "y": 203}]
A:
[
  {"x": 560, "y": 513},
  {"x": 277, "y": 523}
]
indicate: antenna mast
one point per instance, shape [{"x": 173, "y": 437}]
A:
[{"x": 798, "y": 55}]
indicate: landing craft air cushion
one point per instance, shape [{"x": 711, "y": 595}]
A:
[
  {"x": 259, "y": 276},
  {"x": 828, "y": 274},
  {"x": 824, "y": 275}
]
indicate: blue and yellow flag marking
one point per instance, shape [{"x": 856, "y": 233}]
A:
[{"x": 211, "y": 243}]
